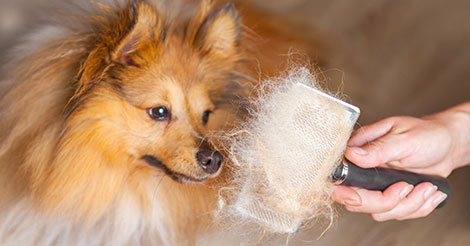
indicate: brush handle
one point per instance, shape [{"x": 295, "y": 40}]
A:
[{"x": 381, "y": 178}]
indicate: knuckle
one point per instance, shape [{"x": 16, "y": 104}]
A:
[
  {"x": 350, "y": 208},
  {"x": 423, "y": 212},
  {"x": 414, "y": 207},
  {"x": 390, "y": 204},
  {"x": 391, "y": 120},
  {"x": 378, "y": 218},
  {"x": 406, "y": 215},
  {"x": 377, "y": 148},
  {"x": 403, "y": 218},
  {"x": 413, "y": 216}
]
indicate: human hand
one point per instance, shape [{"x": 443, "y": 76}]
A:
[{"x": 434, "y": 145}]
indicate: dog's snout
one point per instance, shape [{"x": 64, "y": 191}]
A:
[{"x": 210, "y": 161}]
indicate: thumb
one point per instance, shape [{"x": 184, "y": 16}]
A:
[{"x": 389, "y": 148}]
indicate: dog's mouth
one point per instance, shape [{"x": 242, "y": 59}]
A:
[{"x": 178, "y": 177}]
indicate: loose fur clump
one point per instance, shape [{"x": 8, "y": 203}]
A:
[
  {"x": 285, "y": 154},
  {"x": 103, "y": 119}
]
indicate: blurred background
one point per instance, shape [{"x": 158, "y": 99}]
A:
[{"x": 390, "y": 57}]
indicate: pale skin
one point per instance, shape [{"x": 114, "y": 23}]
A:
[{"x": 435, "y": 144}]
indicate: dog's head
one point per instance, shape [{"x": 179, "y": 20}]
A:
[
  {"x": 149, "y": 93},
  {"x": 158, "y": 96}
]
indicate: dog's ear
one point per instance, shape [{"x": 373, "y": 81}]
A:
[
  {"x": 219, "y": 33},
  {"x": 144, "y": 30},
  {"x": 123, "y": 39}
]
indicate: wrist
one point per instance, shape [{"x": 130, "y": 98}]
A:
[{"x": 457, "y": 120}]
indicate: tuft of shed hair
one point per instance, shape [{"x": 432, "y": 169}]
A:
[{"x": 284, "y": 156}]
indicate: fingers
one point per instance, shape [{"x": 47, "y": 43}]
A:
[
  {"x": 388, "y": 149},
  {"x": 380, "y": 202},
  {"x": 371, "y": 132},
  {"x": 419, "y": 203},
  {"x": 428, "y": 206},
  {"x": 400, "y": 201},
  {"x": 386, "y": 141},
  {"x": 346, "y": 196}
]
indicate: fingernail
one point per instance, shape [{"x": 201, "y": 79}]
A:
[
  {"x": 359, "y": 151},
  {"x": 429, "y": 192},
  {"x": 439, "y": 199},
  {"x": 406, "y": 191}
]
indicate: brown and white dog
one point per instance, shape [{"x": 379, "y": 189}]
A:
[{"x": 106, "y": 125}]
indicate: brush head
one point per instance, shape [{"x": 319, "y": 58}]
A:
[
  {"x": 286, "y": 153},
  {"x": 352, "y": 112}
]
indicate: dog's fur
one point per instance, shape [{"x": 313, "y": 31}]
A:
[{"x": 81, "y": 160}]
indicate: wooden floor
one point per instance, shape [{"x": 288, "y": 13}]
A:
[{"x": 391, "y": 57}]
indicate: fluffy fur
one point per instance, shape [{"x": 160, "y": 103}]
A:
[{"x": 76, "y": 129}]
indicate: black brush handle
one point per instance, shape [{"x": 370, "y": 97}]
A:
[{"x": 381, "y": 178}]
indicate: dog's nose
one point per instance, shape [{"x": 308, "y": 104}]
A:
[{"x": 209, "y": 161}]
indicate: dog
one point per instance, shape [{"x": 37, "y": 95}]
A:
[{"x": 108, "y": 121}]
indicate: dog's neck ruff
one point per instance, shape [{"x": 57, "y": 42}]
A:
[{"x": 123, "y": 224}]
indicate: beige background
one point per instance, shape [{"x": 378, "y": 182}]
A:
[{"x": 391, "y": 57}]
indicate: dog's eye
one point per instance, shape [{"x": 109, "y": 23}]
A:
[
  {"x": 205, "y": 116},
  {"x": 160, "y": 113}
]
